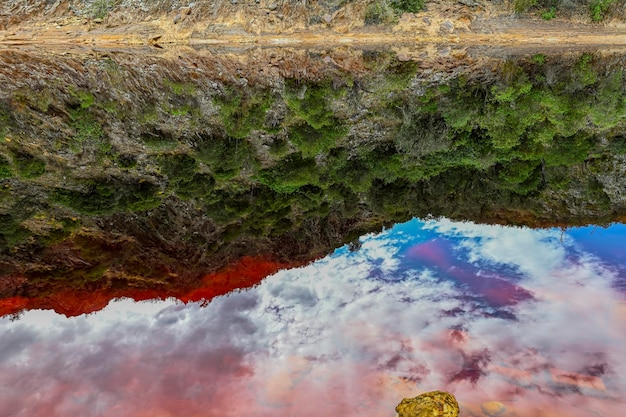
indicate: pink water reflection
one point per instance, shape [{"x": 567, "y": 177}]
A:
[{"x": 347, "y": 336}]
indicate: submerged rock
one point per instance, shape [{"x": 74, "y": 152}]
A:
[
  {"x": 493, "y": 408},
  {"x": 429, "y": 404}
]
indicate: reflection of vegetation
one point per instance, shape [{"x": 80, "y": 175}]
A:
[
  {"x": 290, "y": 174},
  {"x": 159, "y": 141},
  {"x": 225, "y": 156},
  {"x": 178, "y": 167},
  {"x": 308, "y": 161},
  {"x": 242, "y": 113},
  {"x": 320, "y": 129},
  {"x": 28, "y": 165},
  {"x": 311, "y": 141},
  {"x": 5, "y": 167},
  {"x": 88, "y": 129},
  {"x": 108, "y": 196},
  {"x": 11, "y": 231},
  {"x": 180, "y": 88}
]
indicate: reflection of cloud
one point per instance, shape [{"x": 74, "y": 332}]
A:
[{"x": 333, "y": 339}]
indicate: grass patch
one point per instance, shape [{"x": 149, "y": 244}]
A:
[
  {"x": 179, "y": 88},
  {"x": 521, "y": 6}
]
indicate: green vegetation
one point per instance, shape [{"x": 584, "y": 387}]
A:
[
  {"x": 107, "y": 196},
  {"x": 549, "y": 14},
  {"x": 101, "y": 8},
  {"x": 410, "y": 6},
  {"x": 380, "y": 12},
  {"x": 319, "y": 129},
  {"x": 521, "y": 6},
  {"x": 290, "y": 174},
  {"x": 5, "y": 167},
  {"x": 271, "y": 167},
  {"x": 242, "y": 112},
  {"x": 11, "y": 231},
  {"x": 180, "y": 88},
  {"x": 599, "y": 8},
  {"x": 27, "y": 165},
  {"x": 224, "y": 156},
  {"x": 159, "y": 141}
]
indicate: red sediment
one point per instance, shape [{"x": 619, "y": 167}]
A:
[
  {"x": 13, "y": 305},
  {"x": 245, "y": 273}
]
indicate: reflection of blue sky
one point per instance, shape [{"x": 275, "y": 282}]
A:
[{"x": 417, "y": 307}]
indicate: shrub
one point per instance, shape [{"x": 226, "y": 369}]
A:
[
  {"x": 410, "y": 6},
  {"x": 109, "y": 196},
  {"x": 311, "y": 141},
  {"x": 598, "y": 9},
  {"x": 321, "y": 129},
  {"x": 178, "y": 167},
  {"x": 290, "y": 174},
  {"x": 224, "y": 156},
  {"x": 379, "y": 12},
  {"x": 242, "y": 113},
  {"x": 550, "y": 14}
]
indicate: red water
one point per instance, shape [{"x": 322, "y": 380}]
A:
[{"x": 245, "y": 273}]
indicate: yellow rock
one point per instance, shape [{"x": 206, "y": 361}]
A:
[
  {"x": 493, "y": 408},
  {"x": 429, "y": 404}
]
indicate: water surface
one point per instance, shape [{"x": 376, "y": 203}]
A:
[{"x": 533, "y": 318}]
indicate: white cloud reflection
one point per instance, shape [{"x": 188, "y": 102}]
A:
[{"x": 348, "y": 335}]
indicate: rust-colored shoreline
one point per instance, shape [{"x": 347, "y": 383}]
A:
[{"x": 244, "y": 273}]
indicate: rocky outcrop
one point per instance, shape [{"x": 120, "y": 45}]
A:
[{"x": 429, "y": 404}]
